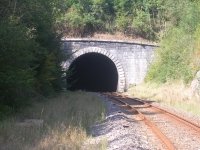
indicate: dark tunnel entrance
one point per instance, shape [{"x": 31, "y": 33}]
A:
[{"x": 92, "y": 72}]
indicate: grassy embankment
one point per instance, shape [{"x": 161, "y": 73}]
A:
[
  {"x": 176, "y": 95},
  {"x": 67, "y": 119}
]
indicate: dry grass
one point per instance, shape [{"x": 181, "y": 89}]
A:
[
  {"x": 115, "y": 36},
  {"x": 67, "y": 119},
  {"x": 176, "y": 95},
  {"x": 121, "y": 36}
]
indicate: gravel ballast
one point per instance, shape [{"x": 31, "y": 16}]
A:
[{"x": 121, "y": 131}]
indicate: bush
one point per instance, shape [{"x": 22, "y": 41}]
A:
[
  {"x": 30, "y": 55},
  {"x": 142, "y": 25},
  {"x": 16, "y": 70},
  {"x": 128, "y": 16},
  {"x": 176, "y": 59}
]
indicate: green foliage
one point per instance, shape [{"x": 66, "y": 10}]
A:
[
  {"x": 196, "y": 55},
  {"x": 175, "y": 59},
  {"x": 122, "y": 23},
  {"x": 143, "y": 18},
  {"x": 16, "y": 72},
  {"x": 5, "y": 111},
  {"x": 30, "y": 54},
  {"x": 142, "y": 25},
  {"x": 78, "y": 21}
]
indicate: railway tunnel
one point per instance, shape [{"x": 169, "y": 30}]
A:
[{"x": 92, "y": 72}]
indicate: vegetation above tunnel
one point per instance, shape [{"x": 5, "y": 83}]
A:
[
  {"x": 173, "y": 24},
  {"x": 134, "y": 18},
  {"x": 30, "y": 55}
]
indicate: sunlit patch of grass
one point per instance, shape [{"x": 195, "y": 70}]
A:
[
  {"x": 96, "y": 144},
  {"x": 67, "y": 119},
  {"x": 176, "y": 95}
]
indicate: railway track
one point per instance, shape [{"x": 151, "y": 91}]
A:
[{"x": 173, "y": 131}]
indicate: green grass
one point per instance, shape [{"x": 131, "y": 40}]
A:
[{"x": 67, "y": 119}]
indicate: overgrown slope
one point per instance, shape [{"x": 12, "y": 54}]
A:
[
  {"x": 134, "y": 18},
  {"x": 179, "y": 52}
]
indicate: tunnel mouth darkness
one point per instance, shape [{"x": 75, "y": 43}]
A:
[{"x": 92, "y": 72}]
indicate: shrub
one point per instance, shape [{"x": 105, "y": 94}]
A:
[{"x": 175, "y": 59}]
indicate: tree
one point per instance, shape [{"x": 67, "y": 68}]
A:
[{"x": 30, "y": 53}]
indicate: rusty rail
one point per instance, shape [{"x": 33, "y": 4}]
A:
[
  {"x": 147, "y": 121},
  {"x": 174, "y": 116}
]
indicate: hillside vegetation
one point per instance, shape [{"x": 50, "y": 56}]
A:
[
  {"x": 179, "y": 52},
  {"x": 175, "y": 25},
  {"x": 30, "y": 32},
  {"x": 134, "y": 18},
  {"x": 30, "y": 55},
  {"x": 170, "y": 78}
]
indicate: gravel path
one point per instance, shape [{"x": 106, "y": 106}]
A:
[{"x": 122, "y": 132}]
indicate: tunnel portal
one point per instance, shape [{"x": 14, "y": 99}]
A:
[{"x": 92, "y": 72}]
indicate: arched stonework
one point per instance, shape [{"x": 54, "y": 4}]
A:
[{"x": 120, "y": 70}]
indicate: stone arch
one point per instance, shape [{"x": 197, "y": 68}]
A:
[{"x": 120, "y": 70}]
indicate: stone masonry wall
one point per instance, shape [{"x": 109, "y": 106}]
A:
[{"x": 133, "y": 57}]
